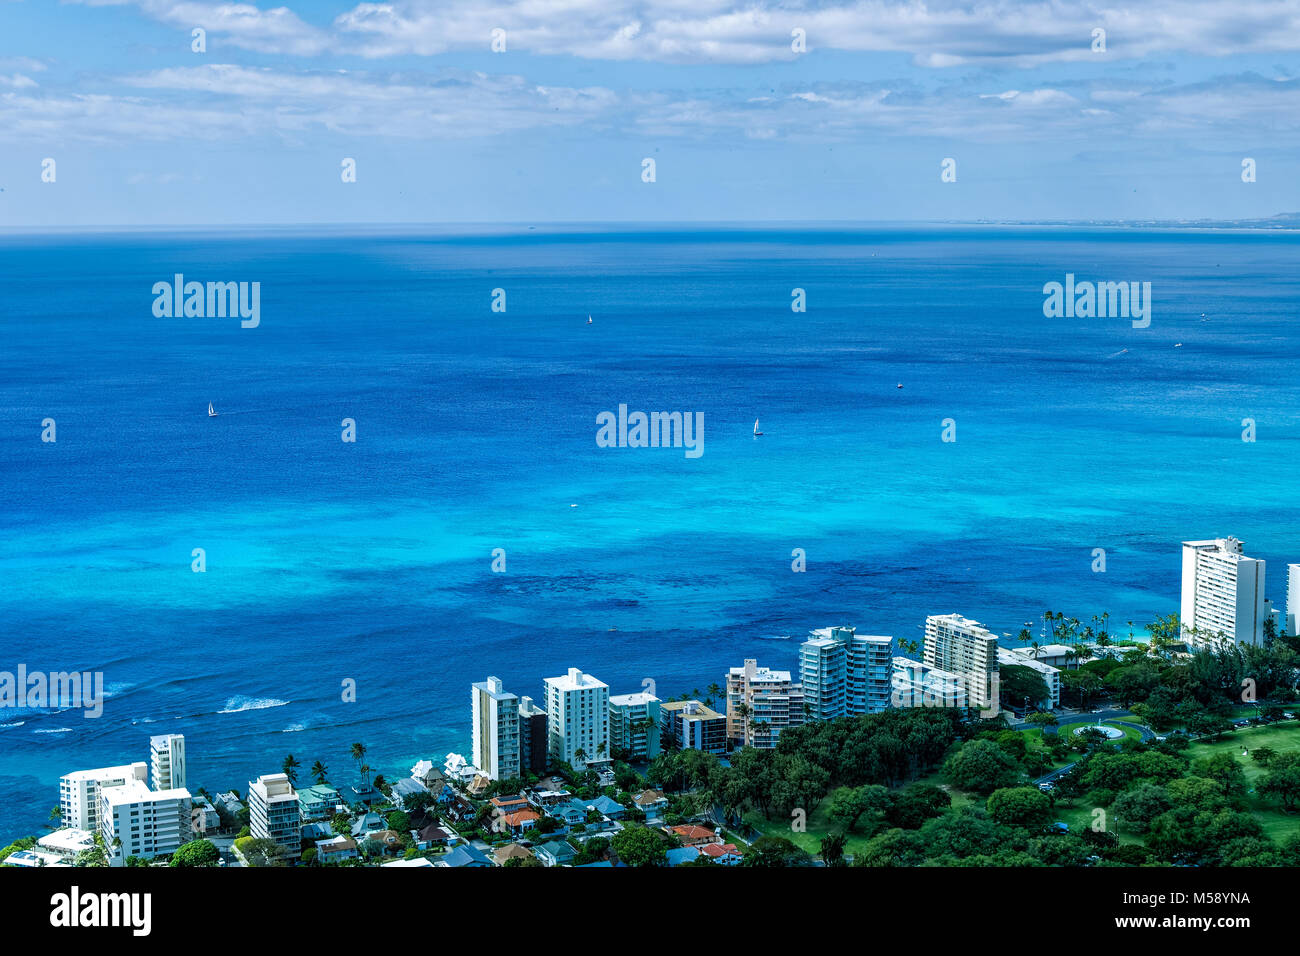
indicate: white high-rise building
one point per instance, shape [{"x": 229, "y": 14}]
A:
[
  {"x": 167, "y": 761},
  {"x": 1293, "y": 598},
  {"x": 274, "y": 812},
  {"x": 966, "y": 648},
  {"x": 761, "y": 703},
  {"x": 79, "y": 792},
  {"x": 577, "y": 717},
  {"x": 137, "y": 821},
  {"x": 496, "y": 729},
  {"x": 844, "y": 673},
  {"x": 1223, "y": 593}
]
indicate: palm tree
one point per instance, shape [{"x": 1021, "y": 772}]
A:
[
  {"x": 319, "y": 771},
  {"x": 290, "y": 768},
  {"x": 359, "y": 754},
  {"x": 715, "y": 689},
  {"x": 365, "y": 774}
]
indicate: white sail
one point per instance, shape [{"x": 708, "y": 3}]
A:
[
  {"x": 212, "y": 412},
  {"x": 755, "y": 426}
]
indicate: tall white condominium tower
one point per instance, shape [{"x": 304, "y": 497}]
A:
[
  {"x": 137, "y": 821},
  {"x": 577, "y": 718},
  {"x": 167, "y": 761},
  {"x": 1223, "y": 593},
  {"x": 844, "y": 673},
  {"x": 761, "y": 703},
  {"x": 964, "y": 647},
  {"x": 1293, "y": 598},
  {"x": 79, "y": 792},
  {"x": 274, "y": 812},
  {"x": 496, "y": 729}
]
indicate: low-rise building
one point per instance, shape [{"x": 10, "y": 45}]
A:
[
  {"x": 336, "y": 849},
  {"x": 918, "y": 685},
  {"x": 318, "y": 802}
]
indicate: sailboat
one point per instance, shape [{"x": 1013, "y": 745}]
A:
[
  {"x": 756, "y": 431},
  {"x": 212, "y": 412},
  {"x": 589, "y": 319}
]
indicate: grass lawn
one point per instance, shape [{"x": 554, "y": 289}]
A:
[
  {"x": 1067, "y": 730},
  {"x": 1280, "y": 737}
]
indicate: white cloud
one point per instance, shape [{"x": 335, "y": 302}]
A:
[{"x": 939, "y": 33}]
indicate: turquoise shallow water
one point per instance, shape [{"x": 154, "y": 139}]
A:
[{"x": 477, "y": 430}]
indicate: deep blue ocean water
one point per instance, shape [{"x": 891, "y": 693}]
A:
[{"x": 476, "y": 430}]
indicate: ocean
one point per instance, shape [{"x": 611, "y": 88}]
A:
[{"x": 371, "y": 561}]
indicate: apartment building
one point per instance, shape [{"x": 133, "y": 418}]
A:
[
  {"x": 167, "y": 761},
  {"x": 496, "y": 730},
  {"x": 79, "y": 792},
  {"x": 274, "y": 812},
  {"x": 634, "y": 725},
  {"x": 577, "y": 718},
  {"x": 1223, "y": 594},
  {"x": 533, "y": 745},
  {"x": 761, "y": 703},
  {"x": 690, "y": 725},
  {"x": 966, "y": 648},
  {"x": 914, "y": 684},
  {"x": 844, "y": 673},
  {"x": 137, "y": 821}
]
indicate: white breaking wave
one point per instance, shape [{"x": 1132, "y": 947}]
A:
[
  {"x": 56, "y": 730},
  {"x": 18, "y": 724},
  {"x": 238, "y": 704}
]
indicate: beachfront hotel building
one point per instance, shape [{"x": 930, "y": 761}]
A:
[
  {"x": 691, "y": 725},
  {"x": 533, "y": 745},
  {"x": 1223, "y": 594},
  {"x": 844, "y": 673},
  {"x": 496, "y": 730},
  {"x": 137, "y": 821},
  {"x": 577, "y": 718},
  {"x": 966, "y": 648},
  {"x": 760, "y": 704},
  {"x": 634, "y": 725},
  {"x": 167, "y": 761},
  {"x": 914, "y": 684},
  {"x": 79, "y": 792},
  {"x": 274, "y": 812}
]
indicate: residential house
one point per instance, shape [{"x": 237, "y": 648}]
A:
[
  {"x": 462, "y": 855},
  {"x": 683, "y": 855},
  {"x": 404, "y": 790},
  {"x": 519, "y": 821},
  {"x": 555, "y": 853},
  {"x": 317, "y": 802},
  {"x": 511, "y": 851},
  {"x": 652, "y": 803},
  {"x": 691, "y": 834},
  {"x": 428, "y": 837},
  {"x": 728, "y": 854},
  {"x": 607, "y": 807},
  {"x": 335, "y": 849}
]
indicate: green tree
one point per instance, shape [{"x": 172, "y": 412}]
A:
[
  {"x": 1019, "y": 806},
  {"x": 196, "y": 853},
  {"x": 639, "y": 846},
  {"x": 982, "y": 766}
]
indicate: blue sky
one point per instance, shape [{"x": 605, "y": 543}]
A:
[{"x": 144, "y": 131}]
